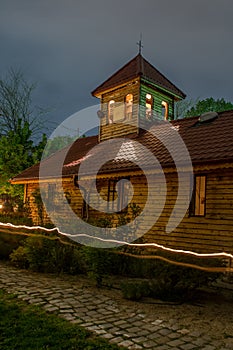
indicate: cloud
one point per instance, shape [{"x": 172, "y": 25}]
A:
[{"x": 71, "y": 46}]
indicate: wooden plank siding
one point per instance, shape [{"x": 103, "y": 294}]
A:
[
  {"x": 72, "y": 192},
  {"x": 108, "y": 131},
  {"x": 158, "y": 97},
  {"x": 212, "y": 233}
]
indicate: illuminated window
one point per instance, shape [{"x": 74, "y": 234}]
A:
[
  {"x": 129, "y": 106},
  {"x": 110, "y": 110},
  {"x": 149, "y": 106},
  {"x": 198, "y": 202},
  {"x": 165, "y": 110},
  {"x": 121, "y": 196}
]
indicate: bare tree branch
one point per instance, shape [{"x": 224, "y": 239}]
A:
[{"x": 16, "y": 104}]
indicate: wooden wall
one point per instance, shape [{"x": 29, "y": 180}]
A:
[
  {"x": 158, "y": 97},
  {"x": 108, "y": 131},
  {"x": 139, "y": 90},
  {"x": 212, "y": 233},
  {"x": 72, "y": 194}
]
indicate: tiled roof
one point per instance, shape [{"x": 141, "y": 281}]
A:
[
  {"x": 138, "y": 66},
  {"x": 78, "y": 150},
  {"x": 209, "y": 142}
]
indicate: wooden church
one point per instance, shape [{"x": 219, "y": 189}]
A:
[{"x": 134, "y": 102}]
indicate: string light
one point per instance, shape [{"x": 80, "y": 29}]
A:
[{"x": 155, "y": 245}]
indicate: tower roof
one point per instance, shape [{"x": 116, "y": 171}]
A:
[{"x": 138, "y": 67}]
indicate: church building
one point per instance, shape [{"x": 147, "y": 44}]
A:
[{"x": 182, "y": 167}]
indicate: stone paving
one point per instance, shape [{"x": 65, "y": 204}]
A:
[{"x": 105, "y": 317}]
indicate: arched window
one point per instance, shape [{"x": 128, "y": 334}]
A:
[
  {"x": 165, "y": 110},
  {"x": 129, "y": 106},
  {"x": 149, "y": 106},
  {"x": 111, "y": 104}
]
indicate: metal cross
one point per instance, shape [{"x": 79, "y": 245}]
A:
[{"x": 140, "y": 46}]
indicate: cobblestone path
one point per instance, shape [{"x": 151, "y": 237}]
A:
[{"x": 120, "y": 323}]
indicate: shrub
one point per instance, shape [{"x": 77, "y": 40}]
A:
[
  {"x": 19, "y": 257},
  {"x": 98, "y": 263},
  {"x": 48, "y": 255},
  {"x": 16, "y": 218},
  {"x": 135, "y": 290},
  {"x": 9, "y": 242},
  {"x": 167, "y": 281}
]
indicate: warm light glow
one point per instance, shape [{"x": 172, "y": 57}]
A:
[
  {"x": 180, "y": 251},
  {"x": 1, "y": 206},
  {"x": 165, "y": 110},
  {"x": 129, "y": 98},
  {"x": 149, "y": 106},
  {"x": 128, "y": 106},
  {"x": 110, "y": 110}
]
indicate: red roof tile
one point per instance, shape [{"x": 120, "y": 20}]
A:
[
  {"x": 138, "y": 66},
  {"x": 210, "y": 142},
  {"x": 71, "y": 153}
]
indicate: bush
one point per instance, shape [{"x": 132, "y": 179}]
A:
[
  {"x": 9, "y": 242},
  {"x": 19, "y": 258},
  {"x": 99, "y": 262},
  {"x": 167, "y": 281},
  {"x": 42, "y": 254},
  {"x": 135, "y": 290},
  {"x": 15, "y": 219}
]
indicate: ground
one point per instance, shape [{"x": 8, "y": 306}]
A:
[{"x": 205, "y": 324}]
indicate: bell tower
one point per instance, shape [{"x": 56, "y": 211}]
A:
[{"x": 134, "y": 96}]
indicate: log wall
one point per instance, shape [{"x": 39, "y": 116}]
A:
[
  {"x": 212, "y": 233},
  {"x": 158, "y": 97},
  {"x": 108, "y": 131}
]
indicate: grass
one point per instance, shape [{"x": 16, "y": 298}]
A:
[{"x": 23, "y": 326}]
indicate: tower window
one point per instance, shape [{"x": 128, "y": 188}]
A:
[
  {"x": 165, "y": 110},
  {"x": 110, "y": 111},
  {"x": 129, "y": 106},
  {"x": 149, "y": 106}
]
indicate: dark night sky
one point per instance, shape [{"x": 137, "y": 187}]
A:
[{"x": 69, "y": 46}]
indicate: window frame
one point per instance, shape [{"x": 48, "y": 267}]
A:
[
  {"x": 112, "y": 183},
  {"x": 165, "y": 106},
  {"x": 192, "y": 207},
  {"x": 129, "y": 115},
  {"x": 111, "y": 105},
  {"x": 149, "y": 114}
]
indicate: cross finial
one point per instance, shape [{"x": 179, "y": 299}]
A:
[{"x": 140, "y": 46}]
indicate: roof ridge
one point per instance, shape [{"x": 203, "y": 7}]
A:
[
  {"x": 114, "y": 74},
  {"x": 136, "y": 67},
  {"x": 158, "y": 71}
]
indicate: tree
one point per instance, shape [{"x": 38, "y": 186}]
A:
[
  {"x": 16, "y": 108},
  {"x": 181, "y": 107},
  {"x": 57, "y": 143},
  {"x": 18, "y": 127},
  {"x": 209, "y": 105}
]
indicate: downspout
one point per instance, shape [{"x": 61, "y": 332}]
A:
[{"x": 25, "y": 194}]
